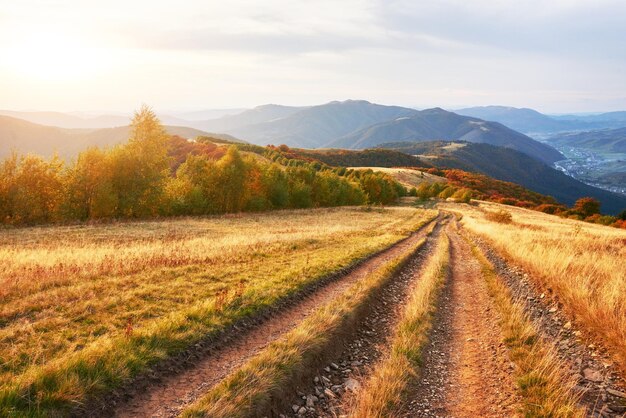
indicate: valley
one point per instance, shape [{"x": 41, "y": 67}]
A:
[{"x": 602, "y": 170}]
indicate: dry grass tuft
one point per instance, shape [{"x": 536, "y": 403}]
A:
[{"x": 500, "y": 216}]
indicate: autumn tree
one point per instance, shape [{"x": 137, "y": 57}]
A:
[
  {"x": 37, "y": 190},
  {"x": 276, "y": 186},
  {"x": 89, "y": 192},
  {"x": 8, "y": 188},
  {"x": 141, "y": 167},
  {"x": 587, "y": 206},
  {"x": 191, "y": 191},
  {"x": 232, "y": 179}
]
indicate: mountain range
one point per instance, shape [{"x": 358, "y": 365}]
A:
[
  {"x": 357, "y": 124},
  {"x": 530, "y": 121},
  {"x": 433, "y": 124},
  {"x": 351, "y": 124}
]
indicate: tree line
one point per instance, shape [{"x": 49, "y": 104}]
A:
[{"x": 154, "y": 174}]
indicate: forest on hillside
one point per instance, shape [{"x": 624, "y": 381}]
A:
[{"x": 155, "y": 174}]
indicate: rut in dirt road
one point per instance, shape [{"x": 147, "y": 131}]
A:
[
  {"x": 167, "y": 397},
  {"x": 466, "y": 370},
  {"x": 331, "y": 389}
]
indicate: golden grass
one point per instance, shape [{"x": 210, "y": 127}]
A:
[
  {"x": 406, "y": 176},
  {"x": 383, "y": 392},
  {"x": 249, "y": 390},
  {"x": 583, "y": 264},
  {"x": 545, "y": 389},
  {"x": 84, "y": 308}
]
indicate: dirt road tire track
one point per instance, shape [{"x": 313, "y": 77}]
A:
[
  {"x": 177, "y": 382},
  {"x": 349, "y": 361},
  {"x": 466, "y": 371}
]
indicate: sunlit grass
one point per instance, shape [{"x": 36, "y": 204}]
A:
[
  {"x": 84, "y": 308},
  {"x": 582, "y": 264}
]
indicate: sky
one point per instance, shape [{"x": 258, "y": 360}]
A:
[{"x": 557, "y": 56}]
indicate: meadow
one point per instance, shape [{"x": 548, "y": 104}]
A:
[{"x": 85, "y": 307}]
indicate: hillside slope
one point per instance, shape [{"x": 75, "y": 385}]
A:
[
  {"x": 363, "y": 158},
  {"x": 531, "y": 121},
  {"x": 522, "y": 120},
  {"x": 26, "y": 137},
  {"x": 259, "y": 114},
  {"x": 607, "y": 140},
  {"x": 512, "y": 166},
  {"x": 438, "y": 124}
]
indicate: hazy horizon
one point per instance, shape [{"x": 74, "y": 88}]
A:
[{"x": 563, "y": 57}]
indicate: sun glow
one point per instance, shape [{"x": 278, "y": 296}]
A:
[{"x": 49, "y": 56}]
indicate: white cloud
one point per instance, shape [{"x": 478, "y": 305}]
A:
[{"x": 558, "y": 55}]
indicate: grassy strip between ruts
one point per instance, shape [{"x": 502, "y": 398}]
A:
[
  {"x": 545, "y": 389},
  {"x": 59, "y": 385},
  {"x": 250, "y": 390},
  {"x": 383, "y": 392}
]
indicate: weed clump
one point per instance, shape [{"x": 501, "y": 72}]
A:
[{"x": 501, "y": 217}]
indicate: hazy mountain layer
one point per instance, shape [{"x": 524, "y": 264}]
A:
[{"x": 26, "y": 137}]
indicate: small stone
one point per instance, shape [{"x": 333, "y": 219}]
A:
[
  {"x": 311, "y": 400},
  {"x": 325, "y": 379},
  {"x": 334, "y": 366},
  {"x": 329, "y": 393},
  {"x": 568, "y": 325},
  {"x": 295, "y": 408},
  {"x": 302, "y": 411},
  {"x": 592, "y": 375},
  {"x": 352, "y": 385},
  {"x": 552, "y": 310},
  {"x": 620, "y": 409},
  {"x": 327, "y": 369},
  {"x": 543, "y": 295},
  {"x": 616, "y": 393}
]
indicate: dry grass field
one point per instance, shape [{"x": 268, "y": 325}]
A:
[
  {"x": 85, "y": 307},
  {"x": 583, "y": 264},
  {"x": 406, "y": 176}
]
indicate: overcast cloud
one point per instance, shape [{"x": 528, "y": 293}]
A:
[{"x": 555, "y": 55}]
